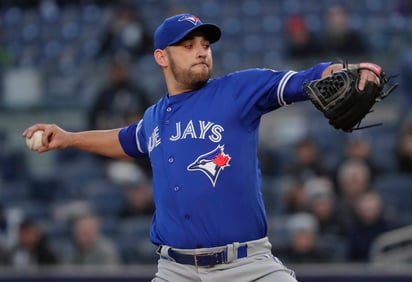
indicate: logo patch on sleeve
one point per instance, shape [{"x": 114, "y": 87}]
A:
[{"x": 211, "y": 163}]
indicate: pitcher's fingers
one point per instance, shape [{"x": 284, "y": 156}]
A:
[
  {"x": 28, "y": 132},
  {"x": 367, "y": 75},
  {"x": 49, "y": 132},
  {"x": 361, "y": 84},
  {"x": 43, "y": 149},
  {"x": 45, "y": 138}
]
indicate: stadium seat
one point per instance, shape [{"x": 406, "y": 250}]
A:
[
  {"x": 277, "y": 231},
  {"x": 273, "y": 191},
  {"x": 396, "y": 191},
  {"x": 134, "y": 242},
  {"x": 107, "y": 203},
  {"x": 13, "y": 194}
]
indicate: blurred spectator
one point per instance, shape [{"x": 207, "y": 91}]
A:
[
  {"x": 358, "y": 146},
  {"x": 4, "y": 256},
  {"x": 3, "y": 154},
  {"x": 9, "y": 227},
  {"x": 321, "y": 203},
  {"x": 404, "y": 7},
  {"x": 341, "y": 40},
  {"x": 354, "y": 179},
  {"x": 301, "y": 42},
  {"x": 295, "y": 198},
  {"x": 307, "y": 161},
  {"x": 91, "y": 247},
  {"x": 404, "y": 147},
  {"x": 371, "y": 220},
  {"x": 139, "y": 201},
  {"x": 303, "y": 246},
  {"x": 33, "y": 247},
  {"x": 126, "y": 35},
  {"x": 10, "y": 220},
  {"x": 5, "y": 56},
  {"x": 268, "y": 161},
  {"x": 120, "y": 102},
  {"x": 405, "y": 77}
]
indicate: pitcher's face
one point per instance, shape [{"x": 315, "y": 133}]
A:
[{"x": 191, "y": 62}]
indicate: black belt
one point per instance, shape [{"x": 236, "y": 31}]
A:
[{"x": 206, "y": 259}]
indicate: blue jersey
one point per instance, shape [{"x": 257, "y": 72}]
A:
[{"x": 203, "y": 150}]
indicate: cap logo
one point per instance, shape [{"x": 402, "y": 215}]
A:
[
  {"x": 174, "y": 29},
  {"x": 194, "y": 20}
]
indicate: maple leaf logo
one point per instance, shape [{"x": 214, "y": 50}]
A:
[{"x": 221, "y": 160}]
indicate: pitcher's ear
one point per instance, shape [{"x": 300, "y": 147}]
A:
[{"x": 160, "y": 57}]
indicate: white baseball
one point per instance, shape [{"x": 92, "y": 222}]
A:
[{"x": 35, "y": 142}]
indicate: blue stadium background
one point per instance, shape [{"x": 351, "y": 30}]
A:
[{"x": 57, "y": 48}]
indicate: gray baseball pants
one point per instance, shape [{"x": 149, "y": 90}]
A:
[{"x": 259, "y": 265}]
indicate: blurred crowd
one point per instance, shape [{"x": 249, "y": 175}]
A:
[{"x": 327, "y": 199}]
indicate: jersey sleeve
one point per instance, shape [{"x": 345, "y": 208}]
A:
[
  {"x": 258, "y": 91},
  {"x": 293, "y": 89},
  {"x": 132, "y": 140}
]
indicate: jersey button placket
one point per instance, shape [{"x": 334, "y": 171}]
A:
[
  {"x": 170, "y": 159},
  {"x": 167, "y": 117}
]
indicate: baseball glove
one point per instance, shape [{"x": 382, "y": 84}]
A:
[{"x": 338, "y": 97}]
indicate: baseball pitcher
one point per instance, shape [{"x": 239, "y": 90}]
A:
[{"x": 202, "y": 140}]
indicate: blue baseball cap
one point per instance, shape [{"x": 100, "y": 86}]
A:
[{"x": 175, "y": 28}]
